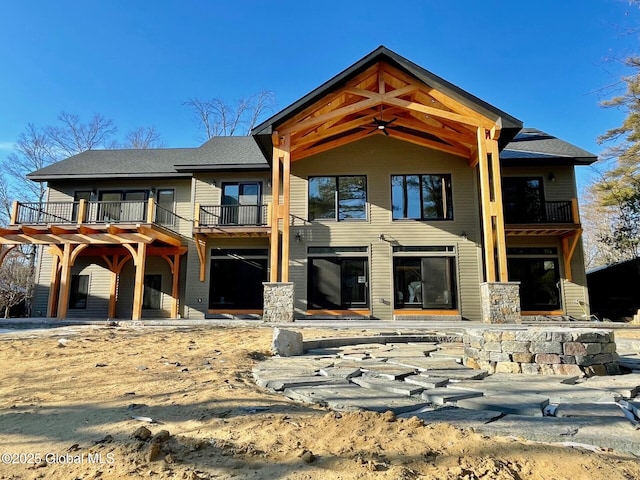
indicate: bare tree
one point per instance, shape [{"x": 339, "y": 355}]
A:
[
  {"x": 16, "y": 280},
  {"x": 34, "y": 150},
  {"x": 143, "y": 137},
  {"x": 216, "y": 117},
  {"x": 73, "y": 136}
]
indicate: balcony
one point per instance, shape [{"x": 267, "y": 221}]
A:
[
  {"x": 94, "y": 222},
  {"x": 550, "y": 218},
  {"x": 232, "y": 220}
]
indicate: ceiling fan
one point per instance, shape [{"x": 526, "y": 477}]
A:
[{"x": 380, "y": 124}]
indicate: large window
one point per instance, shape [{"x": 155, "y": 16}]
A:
[
  {"x": 236, "y": 278},
  {"x": 338, "y": 198},
  {"x": 77, "y": 196},
  {"x": 422, "y": 197},
  {"x": 338, "y": 277},
  {"x": 424, "y": 278},
  {"x": 79, "y": 292}
]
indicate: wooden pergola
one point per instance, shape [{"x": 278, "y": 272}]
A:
[
  {"x": 421, "y": 115},
  {"x": 115, "y": 244}
]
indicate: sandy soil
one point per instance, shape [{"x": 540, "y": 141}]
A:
[{"x": 67, "y": 403}]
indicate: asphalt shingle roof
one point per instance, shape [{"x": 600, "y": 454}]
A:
[
  {"x": 531, "y": 144},
  {"x": 218, "y": 153}
]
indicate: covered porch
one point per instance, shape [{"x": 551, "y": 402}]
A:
[{"x": 62, "y": 231}]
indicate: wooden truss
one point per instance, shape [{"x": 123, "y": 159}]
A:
[
  {"x": 421, "y": 115},
  {"x": 114, "y": 244}
]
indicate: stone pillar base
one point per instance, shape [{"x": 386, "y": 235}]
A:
[
  {"x": 500, "y": 302},
  {"x": 278, "y": 302}
]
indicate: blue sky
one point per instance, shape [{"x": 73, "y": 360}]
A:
[{"x": 136, "y": 62}]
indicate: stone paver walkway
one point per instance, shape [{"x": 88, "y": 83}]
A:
[{"x": 423, "y": 376}]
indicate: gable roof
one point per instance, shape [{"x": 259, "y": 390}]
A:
[
  {"x": 510, "y": 124},
  {"x": 228, "y": 153},
  {"x": 533, "y": 146}
]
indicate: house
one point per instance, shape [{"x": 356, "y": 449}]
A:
[
  {"x": 613, "y": 290},
  {"x": 387, "y": 193}
]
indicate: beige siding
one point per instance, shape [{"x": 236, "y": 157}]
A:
[
  {"x": 197, "y": 292},
  {"x": 378, "y": 158},
  {"x": 562, "y": 188}
]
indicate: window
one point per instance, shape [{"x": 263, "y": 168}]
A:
[
  {"x": 241, "y": 203},
  {"x": 427, "y": 280},
  {"x": 77, "y": 196},
  {"x": 123, "y": 206},
  {"x": 152, "y": 292},
  {"x": 422, "y": 197},
  {"x": 164, "y": 208},
  {"x": 79, "y": 292},
  {"x": 236, "y": 278},
  {"x": 338, "y": 277},
  {"x": 338, "y": 198},
  {"x": 523, "y": 200}
]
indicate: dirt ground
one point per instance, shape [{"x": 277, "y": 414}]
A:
[{"x": 68, "y": 402}]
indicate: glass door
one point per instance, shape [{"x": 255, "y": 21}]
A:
[
  {"x": 437, "y": 281},
  {"x": 241, "y": 203}
]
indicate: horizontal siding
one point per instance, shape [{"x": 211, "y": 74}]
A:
[
  {"x": 196, "y": 299},
  {"x": 378, "y": 158},
  {"x": 564, "y": 186}
]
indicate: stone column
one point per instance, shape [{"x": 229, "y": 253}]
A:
[
  {"x": 500, "y": 302},
  {"x": 278, "y": 302}
]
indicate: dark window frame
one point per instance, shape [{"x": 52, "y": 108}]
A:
[
  {"x": 336, "y": 199},
  {"x": 445, "y": 207}
]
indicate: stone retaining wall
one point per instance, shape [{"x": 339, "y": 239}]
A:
[{"x": 542, "y": 350}]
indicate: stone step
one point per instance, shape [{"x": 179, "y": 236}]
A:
[
  {"x": 400, "y": 388},
  {"x": 426, "y": 382},
  {"x": 628, "y": 386},
  {"x": 341, "y": 372},
  {"x": 589, "y": 410},
  {"x": 425, "y": 363},
  {"x": 456, "y": 374},
  {"x": 279, "y": 384},
  {"x": 531, "y": 405},
  {"x": 442, "y": 395},
  {"x": 390, "y": 372},
  {"x": 460, "y": 417},
  {"x": 352, "y": 398}
]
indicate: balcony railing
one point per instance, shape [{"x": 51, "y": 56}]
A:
[
  {"x": 542, "y": 212},
  {"x": 95, "y": 212},
  {"x": 232, "y": 215}
]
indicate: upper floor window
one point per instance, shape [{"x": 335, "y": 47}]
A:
[
  {"x": 338, "y": 198},
  {"x": 422, "y": 197}
]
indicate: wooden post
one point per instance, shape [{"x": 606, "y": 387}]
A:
[
  {"x": 498, "y": 211},
  {"x": 65, "y": 281},
  {"x": 485, "y": 206},
  {"x": 54, "y": 283},
  {"x": 196, "y": 215},
  {"x": 175, "y": 269},
  {"x": 150, "y": 210},
  {"x": 275, "y": 213},
  {"x": 575, "y": 214},
  {"x": 285, "y": 209},
  {"x": 82, "y": 211},
  {"x": 14, "y": 213},
  {"x": 138, "y": 287}
]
